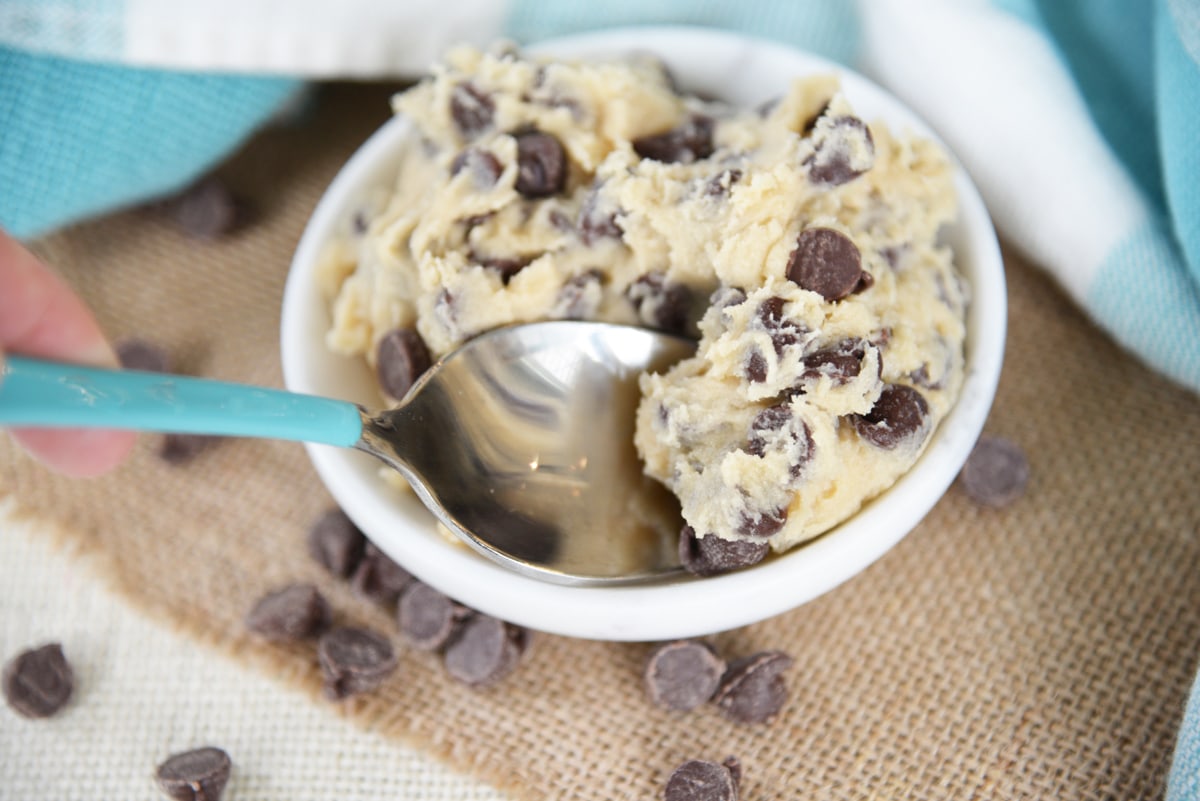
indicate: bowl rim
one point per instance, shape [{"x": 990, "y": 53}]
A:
[{"x": 689, "y": 606}]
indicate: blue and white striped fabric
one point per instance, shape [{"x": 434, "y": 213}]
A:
[{"x": 1076, "y": 118}]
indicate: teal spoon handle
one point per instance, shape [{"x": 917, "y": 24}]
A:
[{"x": 44, "y": 394}]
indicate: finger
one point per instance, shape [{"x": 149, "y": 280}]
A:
[{"x": 41, "y": 316}]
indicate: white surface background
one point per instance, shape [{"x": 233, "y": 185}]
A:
[{"x": 144, "y": 692}]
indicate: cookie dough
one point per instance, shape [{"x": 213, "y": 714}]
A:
[{"x": 798, "y": 242}]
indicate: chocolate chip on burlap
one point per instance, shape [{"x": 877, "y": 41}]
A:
[
  {"x": 354, "y": 660},
  {"x": 701, "y": 780},
  {"x": 485, "y": 650},
  {"x": 179, "y": 449},
  {"x": 197, "y": 775},
  {"x": 683, "y": 675},
  {"x": 752, "y": 689},
  {"x": 38, "y": 683},
  {"x": 295, "y": 612},
  {"x": 207, "y": 210},
  {"x": 428, "y": 618},
  {"x": 336, "y": 543},
  {"x": 377, "y": 578},
  {"x": 143, "y": 355},
  {"x": 996, "y": 472}
]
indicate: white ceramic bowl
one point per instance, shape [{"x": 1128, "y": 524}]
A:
[{"x": 746, "y": 72}]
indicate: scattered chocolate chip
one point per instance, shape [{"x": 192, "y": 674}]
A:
[
  {"x": 711, "y": 555},
  {"x": 207, "y": 209},
  {"x": 484, "y": 651},
  {"x": 865, "y": 282},
  {"x": 900, "y": 414},
  {"x": 296, "y": 612},
  {"x": 471, "y": 110},
  {"x": 402, "y": 357},
  {"x": 765, "y": 525},
  {"x": 541, "y": 164},
  {"x": 485, "y": 168},
  {"x": 660, "y": 303},
  {"x": 377, "y": 578},
  {"x": 354, "y": 661},
  {"x": 683, "y": 675},
  {"x": 844, "y": 151},
  {"x": 178, "y": 449},
  {"x": 825, "y": 261},
  {"x": 37, "y": 683},
  {"x": 427, "y": 618},
  {"x": 996, "y": 472},
  {"x": 772, "y": 418},
  {"x": 336, "y": 543},
  {"x": 895, "y": 255},
  {"x": 752, "y": 689},
  {"x": 691, "y": 141},
  {"x": 701, "y": 780},
  {"x": 197, "y": 775},
  {"x": 138, "y": 354}
]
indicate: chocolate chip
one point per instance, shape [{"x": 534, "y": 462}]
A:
[
  {"x": 484, "y": 651},
  {"x": 778, "y": 428},
  {"x": 660, "y": 303},
  {"x": 865, "y": 282},
  {"x": 427, "y": 618},
  {"x": 752, "y": 689},
  {"x": 683, "y": 675},
  {"x": 485, "y": 167},
  {"x": 719, "y": 185},
  {"x": 354, "y": 661},
  {"x": 138, "y": 354},
  {"x": 825, "y": 261},
  {"x": 840, "y": 362},
  {"x": 296, "y": 612},
  {"x": 178, "y": 449},
  {"x": 691, "y": 141},
  {"x": 336, "y": 543},
  {"x": 377, "y": 578},
  {"x": 596, "y": 222},
  {"x": 506, "y": 267},
  {"x": 38, "y": 682},
  {"x": 197, "y": 775},
  {"x": 844, "y": 151},
  {"x": 207, "y": 210},
  {"x": 711, "y": 555},
  {"x": 996, "y": 472},
  {"x": 784, "y": 331},
  {"x": 765, "y": 524},
  {"x": 701, "y": 780},
  {"x": 402, "y": 357},
  {"x": 900, "y": 414},
  {"x": 756, "y": 366},
  {"x": 471, "y": 110},
  {"x": 579, "y": 296},
  {"x": 541, "y": 164}
]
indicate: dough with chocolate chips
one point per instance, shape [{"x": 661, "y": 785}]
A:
[{"x": 799, "y": 243}]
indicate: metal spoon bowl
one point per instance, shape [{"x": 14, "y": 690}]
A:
[{"x": 520, "y": 441}]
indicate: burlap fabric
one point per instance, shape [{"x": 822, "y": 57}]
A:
[{"x": 1041, "y": 651}]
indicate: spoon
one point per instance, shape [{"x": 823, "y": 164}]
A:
[{"x": 520, "y": 441}]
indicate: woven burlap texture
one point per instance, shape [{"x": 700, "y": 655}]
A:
[{"x": 1040, "y": 651}]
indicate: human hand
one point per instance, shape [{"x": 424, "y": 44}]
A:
[{"x": 41, "y": 316}]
